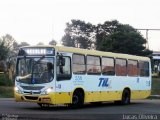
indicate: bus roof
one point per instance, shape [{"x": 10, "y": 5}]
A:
[
  {"x": 99, "y": 53},
  {"x": 93, "y": 52}
]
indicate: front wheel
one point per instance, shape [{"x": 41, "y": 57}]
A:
[
  {"x": 42, "y": 105},
  {"x": 77, "y": 99}
]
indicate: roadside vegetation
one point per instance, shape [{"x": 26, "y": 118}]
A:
[
  {"x": 6, "y": 87},
  {"x": 155, "y": 86}
]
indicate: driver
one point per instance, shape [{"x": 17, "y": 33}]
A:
[{"x": 47, "y": 75}]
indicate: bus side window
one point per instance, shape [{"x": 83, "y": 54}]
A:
[
  {"x": 64, "y": 72},
  {"x": 121, "y": 67},
  {"x": 108, "y": 67},
  {"x": 93, "y": 64},
  {"x": 78, "y": 64},
  {"x": 132, "y": 68},
  {"x": 144, "y": 68}
]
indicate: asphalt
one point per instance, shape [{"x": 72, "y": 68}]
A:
[{"x": 11, "y": 110}]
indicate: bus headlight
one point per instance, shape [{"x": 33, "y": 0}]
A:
[
  {"x": 16, "y": 89},
  {"x": 47, "y": 91}
]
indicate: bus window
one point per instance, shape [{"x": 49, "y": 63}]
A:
[
  {"x": 78, "y": 64},
  {"x": 144, "y": 68},
  {"x": 121, "y": 67},
  {"x": 132, "y": 68},
  {"x": 64, "y": 71},
  {"x": 108, "y": 66},
  {"x": 93, "y": 65}
]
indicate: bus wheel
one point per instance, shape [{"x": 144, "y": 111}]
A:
[
  {"x": 77, "y": 99},
  {"x": 96, "y": 103},
  {"x": 43, "y": 105},
  {"x": 126, "y": 97}
]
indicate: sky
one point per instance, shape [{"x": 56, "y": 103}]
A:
[{"x": 35, "y": 21}]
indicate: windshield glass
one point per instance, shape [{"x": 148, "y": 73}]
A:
[{"x": 35, "y": 70}]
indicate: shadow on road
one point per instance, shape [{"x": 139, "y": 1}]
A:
[{"x": 85, "y": 106}]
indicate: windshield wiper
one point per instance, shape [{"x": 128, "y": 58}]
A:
[
  {"x": 34, "y": 65},
  {"x": 39, "y": 59}
]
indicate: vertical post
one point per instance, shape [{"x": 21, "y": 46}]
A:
[{"x": 147, "y": 45}]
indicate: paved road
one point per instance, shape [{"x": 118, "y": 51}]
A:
[{"x": 137, "y": 110}]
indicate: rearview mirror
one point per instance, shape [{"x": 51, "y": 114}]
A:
[{"x": 60, "y": 61}]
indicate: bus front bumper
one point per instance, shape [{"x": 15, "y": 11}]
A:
[{"x": 48, "y": 99}]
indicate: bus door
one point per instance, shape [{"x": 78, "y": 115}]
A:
[{"x": 63, "y": 78}]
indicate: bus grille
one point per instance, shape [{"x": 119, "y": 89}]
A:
[
  {"x": 31, "y": 97},
  {"x": 32, "y": 87},
  {"x": 26, "y": 92}
]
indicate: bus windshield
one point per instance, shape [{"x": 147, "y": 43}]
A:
[{"x": 35, "y": 70}]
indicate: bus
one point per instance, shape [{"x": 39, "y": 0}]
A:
[{"x": 51, "y": 75}]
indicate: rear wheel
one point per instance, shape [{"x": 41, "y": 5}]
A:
[
  {"x": 126, "y": 96},
  {"x": 96, "y": 103}
]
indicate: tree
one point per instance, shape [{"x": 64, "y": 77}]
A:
[
  {"x": 6, "y": 45},
  {"x": 67, "y": 40},
  {"x": 16, "y": 47},
  {"x": 78, "y": 34},
  {"x": 6, "y": 50},
  {"x": 23, "y": 44},
  {"x": 40, "y": 43},
  {"x": 111, "y": 36},
  {"x": 120, "y": 38},
  {"x": 53, "y": 42}
]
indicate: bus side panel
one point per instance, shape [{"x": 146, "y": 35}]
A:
[
  {"x": 103, "y": 96},
  {"x": 63, "y": 97},
  {"x": 111, "y": 95},
  {"x": 63, "y": 92},
  {"x": 92, "y": 96},
  {"x": 140, "y": 94}
]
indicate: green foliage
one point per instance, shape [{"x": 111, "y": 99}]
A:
[
  {"x": 40, "y": 43},
  {"x": 115, "y": 37},
  {"x": 67, "y": 40},
  {"x": 4, "y": 81},
  {"x": 78, "y": 34},
  {"x": 23, "y": 44},
  {"x": 6, "y": 43},
  {"x": 6, "y": 92},
  {"x": 53, "y": 42},
  {"x": 111, "y": 36},
  {"x": 155, "y": 86}
]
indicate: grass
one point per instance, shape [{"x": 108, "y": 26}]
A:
[
  {"x": 7, "y": 90},
  {"x": 4, "y": 81},
  {"x": 6, "y": 87},
  {"x": 155, "y": 86}
]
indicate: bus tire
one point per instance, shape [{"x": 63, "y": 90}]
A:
[
  {"x": 43, "y": 105},
  {"x": 77, "y": 99},
  {"x": 96, "y": 103},
  {"x": 126, "y": 96}
]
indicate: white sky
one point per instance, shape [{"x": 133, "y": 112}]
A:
[{"x": 37, "y": 21}]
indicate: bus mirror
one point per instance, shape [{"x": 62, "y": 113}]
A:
[{"x": 62, "y": 61}]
